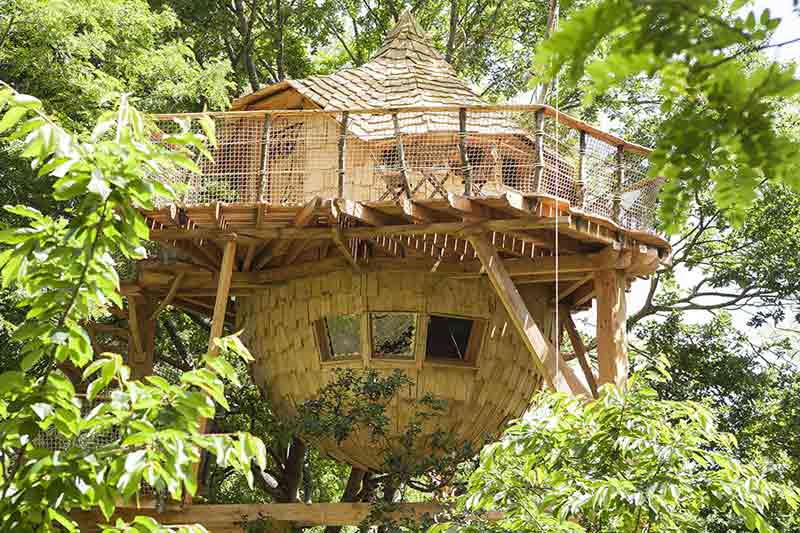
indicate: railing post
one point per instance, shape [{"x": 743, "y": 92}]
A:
[
  {"x": 263, "y": 167},
  {"x": 462, "y": 150},
  {"x": 538, "y": 168},
  {"x": 579, "y": 184},
  {"x": 618, "y": 181},
  {"x": 401, "y": 153},
  {"x": 342, "y": 148}
]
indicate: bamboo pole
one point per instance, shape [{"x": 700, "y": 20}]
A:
[
  {"x": 401, "y": 154},
  {"x": 342, "y": 148},
  {"x": 462, "y": 150}
]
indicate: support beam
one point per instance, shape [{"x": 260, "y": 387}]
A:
[
  {"x": 360, "y": 212},
  {"x": 141, "y": 341},
  {"x": 418, "y": 212},
  {"x": 554, "y": 370},
  {"x": 223, "y": 290},
  {"x": 612, "y": 350},
  {"x": 580, "y": 349},
  {"x": 173, "y": 290},
  {"x": 221, "y": 517},
  {"x": 345, "y": 251}
]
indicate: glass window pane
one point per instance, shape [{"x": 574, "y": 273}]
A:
[
  {"x": 448, "y": 337},
  {"x": 344, "y": 336},
  {"x": 393, "y": 335}
]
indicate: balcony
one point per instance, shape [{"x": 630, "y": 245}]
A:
[{"x": 382, "y": 157}]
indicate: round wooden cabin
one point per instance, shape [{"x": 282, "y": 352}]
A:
[
  {"x": 450, "y": 336},
  {"x": 385, "y": 218}
]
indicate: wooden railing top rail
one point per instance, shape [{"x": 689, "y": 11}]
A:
[{"x": 550, "y": 111}]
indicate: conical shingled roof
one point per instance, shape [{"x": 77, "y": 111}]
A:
[{"x": 407, "y": 71}]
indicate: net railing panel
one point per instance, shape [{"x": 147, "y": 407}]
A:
[{"x": 288, "y": 158}]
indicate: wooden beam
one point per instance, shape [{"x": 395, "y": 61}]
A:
[
  {"x": 141, "y": 341},
  {"x": 221, "y": 300},
  {"x": 342, "y": 247},
  {"x": 612, "y": 349},
  {"x": 418, "y": 212},
  {"x": 574, "y": 286},
  {"x": 360, "y": 212},
  {"x": 469, "y": 208},
  {"x": 401, "y": 154},
  {"x": 552, "y": 367},
  {"x": 580, "y": 349},
  {"x": 173, "y": 290},
  {"x": 287, "y": 233},
  {"x": 215, "y": 517}
]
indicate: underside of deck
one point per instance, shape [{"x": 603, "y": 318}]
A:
[{"x": 539, "y": 238}]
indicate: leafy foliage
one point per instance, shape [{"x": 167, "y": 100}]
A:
[
  {"x": 720, "y": 113},
  {"x": 626, "y": 462},
  {"x": 64, "y": 268}
]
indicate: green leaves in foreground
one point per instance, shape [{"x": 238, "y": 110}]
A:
[
  {"x": 627, "y": 462},
  {"x": 59, "y": 450},
  {"x": 721, "y": 107}
]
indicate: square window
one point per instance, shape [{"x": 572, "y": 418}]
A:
[
  {"x": 339, "y": 337},
  {"x": 453, "y": 338},
  {"x": 393, "y": 335}
]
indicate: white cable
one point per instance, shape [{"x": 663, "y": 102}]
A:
[{"x": 557, "y": 357}]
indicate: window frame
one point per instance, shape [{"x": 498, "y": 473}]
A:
[
  {"x": 325, "y": 344},
  {"x": 374, "y": 356},
  {"x": 474, "y": 342}
]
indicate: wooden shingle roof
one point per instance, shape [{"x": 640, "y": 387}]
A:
[{"x": 407, "y": 71}]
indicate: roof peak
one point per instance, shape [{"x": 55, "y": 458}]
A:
[{"x": 407, "y": 37}]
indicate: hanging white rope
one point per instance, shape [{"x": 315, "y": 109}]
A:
[{"x": 554, "y": 14}]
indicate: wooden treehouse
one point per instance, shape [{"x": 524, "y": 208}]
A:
[{"x": 385, "y": 217}]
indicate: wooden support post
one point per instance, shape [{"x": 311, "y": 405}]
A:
[
  {"x": 612, "y": 350},
  {"x": 556, "y": 373},
  {"x": 538, "y": 168},
  {"x": 263, "y": 170},
  {"x": 580, "y": 349},
  {"x": 223, "y": 290},
  {"x": 619, "y": 179},
  {"x": 579, "y": 183},
  {"x": 401, "y": 154},
  {"x": 342, "y": 149},
  {"x": 173, "y": 290},
  {"x": 462, "y": 150},
  {"x": 142, "y": 334}
]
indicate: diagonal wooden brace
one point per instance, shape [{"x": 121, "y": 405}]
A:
[{"x": 556, "y": 373}]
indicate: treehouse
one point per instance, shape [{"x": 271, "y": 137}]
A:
[{"x": 386, "y": 218}]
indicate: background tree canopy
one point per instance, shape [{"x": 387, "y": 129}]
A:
[{"x": 692, "y": 79}]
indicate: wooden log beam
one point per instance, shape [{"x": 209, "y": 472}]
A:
[
  {"x": 141, "y": 341},
  {"x": 223, "y": 290},
  {"x": 288, "y": 233},
  {"x": 173, "y": 290},
  {"x": 214, "y": 517},
  {"x": 579, "y": 349},
  {"x": 612, "y": 349},
  {"x": 556, "y": 373},
  {"x": 419, "y": 213},
  {"x": 361, "y": 212}
]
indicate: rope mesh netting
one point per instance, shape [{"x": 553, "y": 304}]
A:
[{"x": 288, "y": 158}]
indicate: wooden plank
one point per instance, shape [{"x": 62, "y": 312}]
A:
[
  {"x": 469, "y": 208},
  {"x": 221, "y": 300},
  {"x": 554, "y": 370},
  {"x": 229, "y": 515},
  {"x": 579, "y": 349},
  {"x": 612, "y": 349},
  {"x": 418, "y": 212},
  {"x": 173, "y": 290}
]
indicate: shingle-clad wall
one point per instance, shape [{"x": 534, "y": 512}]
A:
[{"x": 278, "y": 329}]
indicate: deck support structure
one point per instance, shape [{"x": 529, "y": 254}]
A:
[
  {"x": 612, "y": 350},
  {"x": 556, "y": 373},
  {"x": 142, "y": 334}
]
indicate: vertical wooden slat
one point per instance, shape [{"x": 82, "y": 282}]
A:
[
  {"x": 612, "y": 350},
  {"x": 619, "y": 179},
  {"x": 462, "y": 150},
  {"x": 263, "y": 167},
  {"x": 342, "y": 149},
  {"x": 401, "y": 153},
  {"x": 538, "y": 167},
  {"x": 579, "y": 184}
]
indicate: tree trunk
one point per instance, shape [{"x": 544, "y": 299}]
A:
[
  {"x": 540, "y": 93},
  {"x": 293, "y": 471},
  {"x": 451, "y": 36},
  {"x": 351, "y": 493}
]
